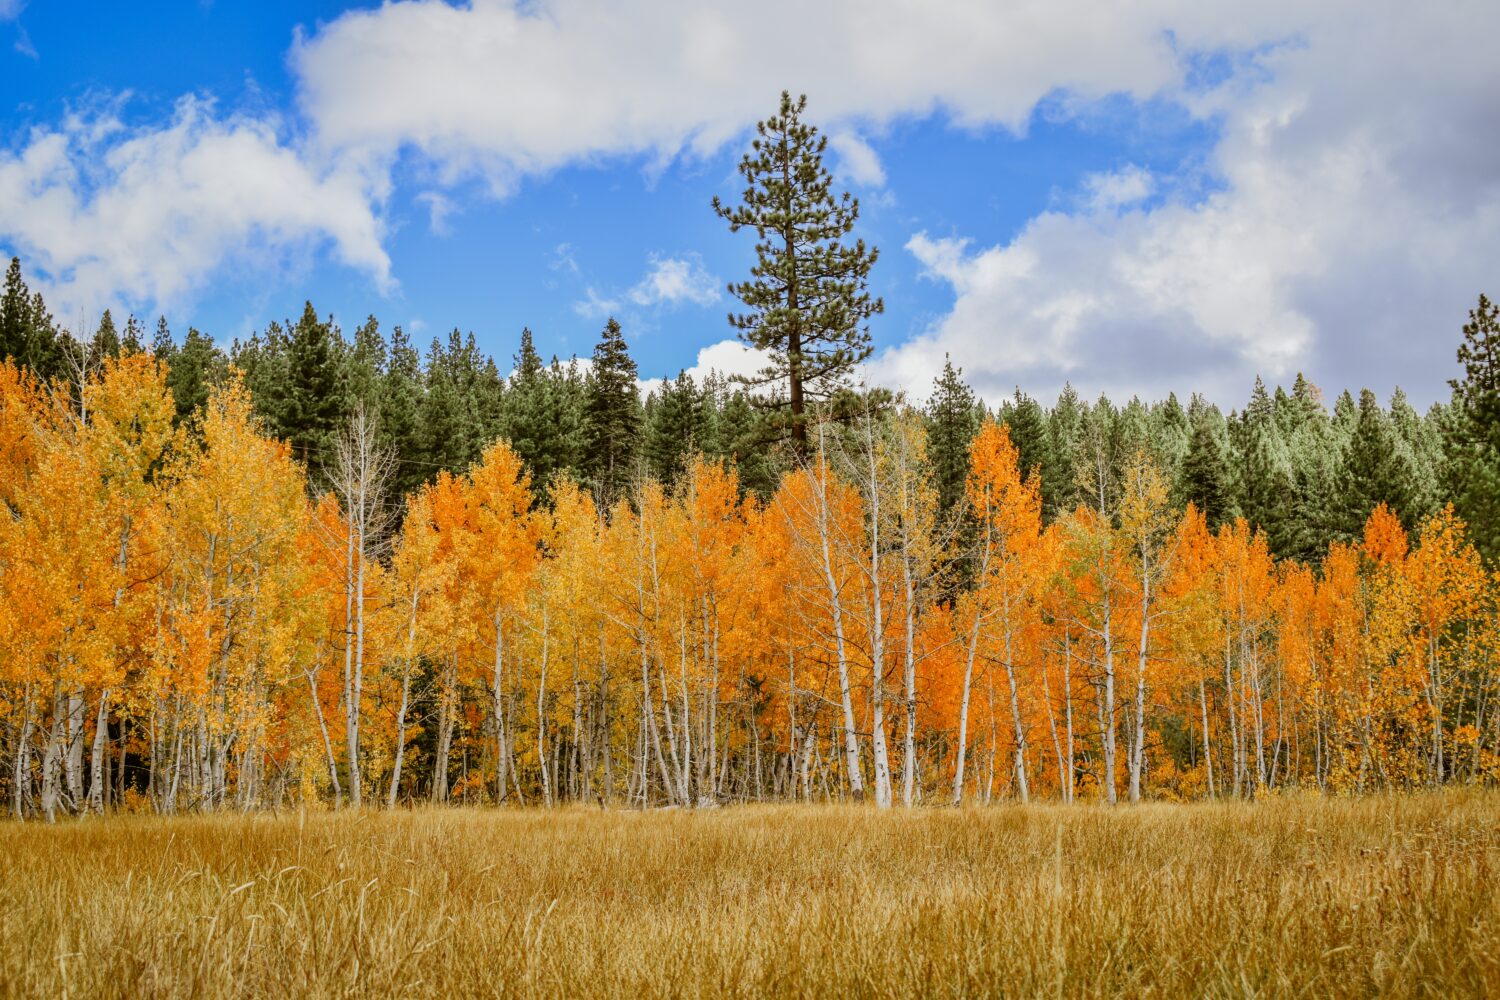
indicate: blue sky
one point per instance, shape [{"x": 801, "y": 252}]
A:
[{"x": 1133, "y": 201}]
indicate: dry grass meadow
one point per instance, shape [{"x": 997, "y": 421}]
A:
[{"x": 1288, "y": 897}]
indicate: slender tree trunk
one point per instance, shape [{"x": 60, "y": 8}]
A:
[
  {"x": 1072, "y": 783},
  {"x": 98, "y": 775},
  {"x": 446, "y": 697},
  {"x": 541, "y": 715},
  {"x": 1138, "y": 745},
  {"x": 909, "y": 691},
  {"x": 1057, "y": 751},
  {"x": 390, "y": 799},
  {"x": 1015, "y": 715},
  {"x": 73, "y": 756},
  {"x": 21, "y": 776},
  {"x": 851, "y": 739},
  {"x": 1208, "y": 755},
  {"x": 963, "y": 713},
  {"x": 52, "y": 762},
  {"x": 1109, "y": 705},
  {"x": 333, "y": 767}
]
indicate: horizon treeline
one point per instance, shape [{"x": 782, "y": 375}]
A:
[
  {"x": 329, "y": 568},
  {"x": 1305, "y": 471}
]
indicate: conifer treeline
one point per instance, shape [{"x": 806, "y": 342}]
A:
[{"x": 326, "y": 567}]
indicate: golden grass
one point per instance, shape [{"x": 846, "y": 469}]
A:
[{"x": 1288, "y": 897}]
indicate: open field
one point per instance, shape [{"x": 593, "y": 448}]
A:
[{"x": 1306, "y": 897}]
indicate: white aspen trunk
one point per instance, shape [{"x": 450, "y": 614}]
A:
[
  {"x": 1229, "y": 700},
  {"x": 879, "y": 751},
  {"x": 175, "y": 781},
  {"x": 97, "y": 775},
  {"x": 648, "y": 722},
  {"x": 52, "y": 762},
  {"x": 351, "y": 733},
  {"x": 909, "y": 692},
  {"x": 963, "y": 713},
  {"x": 73, "y": 756},
  {"x": 390, "y": 800},
  {"x": 1438, "y": 762},
  {"x": 685, "y": 763},
  {"x": 1015, "y": 714},
  {"x": 675, "y": 779},
  {"x": 355, "y": 782},
  {"x": 851, "y": 739},
  {"x": 21, "y": 775},
  {"x": 541, "y": 715},
  {"x": 715, "y": 778},
  {"x": 1110, "y": 721},
  {"x": 1138, "y": 746},
  {"x": 1208, "y": 756},
  {"x": 809, "y": 747},
  {"x": 445, "y": 730},
  {"x": 606, "y": 753},
  {"x": 499, "y": 708},
  {"x": 363, "y": 471},
  {"x": 1057, "y": 751},
  {"x": 333, "y": 766}
]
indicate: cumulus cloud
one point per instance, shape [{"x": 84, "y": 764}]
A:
[
  {"x": 727, "y": 358},
  {"x": 507, "y": 88},
  {"x": 101, "y": 211},
  {"x": 669, "y": 281},
  {"x": 857, "y": 161},
  {"x": 439, "y": 208},
  {"x": 1356, "y": 215},
  {"x": 674, "y": 280},
  {"x": 1118, "y": 188}
]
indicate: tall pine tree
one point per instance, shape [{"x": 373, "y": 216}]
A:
[
  {"x": 952, "y": 421},
  {"x": 612, "y": 416},
  {"x": 807, "y": 301},
  {"x": 1471, "y": 468},
  {"x": 315, "y": 405}
]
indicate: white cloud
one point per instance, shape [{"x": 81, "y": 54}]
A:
[
  {"x": 596, "y": 306},
  {"x": 507, "y": 88},
  {"x": 439, "y": 207},
  {"x": 669, "y": 281},
  {"x": 856, "y": 160},
  {"x": 1355, "y": 216},
  {"x": 11, "y": 9},
  {"x": 727, "y": 358},
  {"x": 102, "y": 212},
  {"x": 674, "y": 280},
  {"x": 1118, "y": 189}
]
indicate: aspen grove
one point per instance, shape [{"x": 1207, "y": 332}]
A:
[{"x": 192, "y": 623}]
